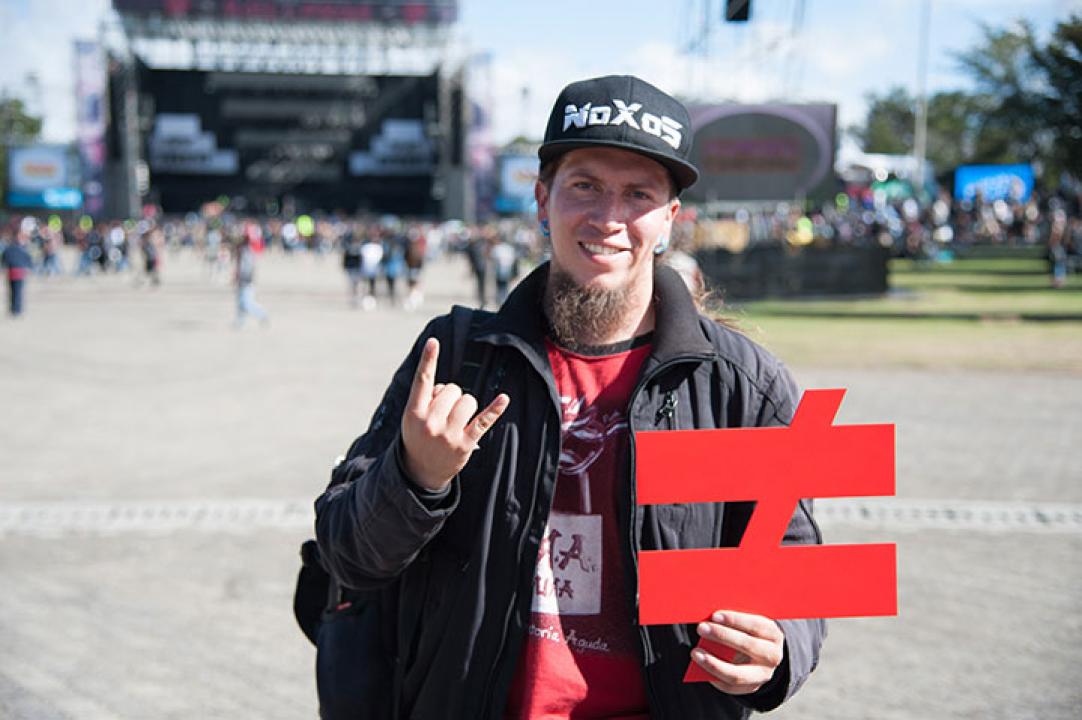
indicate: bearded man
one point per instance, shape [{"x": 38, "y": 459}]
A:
[{"x": 503, "y": 542}]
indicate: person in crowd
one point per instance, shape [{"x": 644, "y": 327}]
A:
[
  {"x": 504, "y": 258},
  {"x": 415, "y": 260},
  {"x": 1057, "y": 248},
  {"x": 371, "y": 262},
  {"x": 117, "y": 251},
  {"x": 91, "y": 248},
  {"x": 18, "y": 262},
  {"x": 150, "y": 242},
  {"x": 684, "y": 263},
  {"x": 244, "y": 281},
  {"x": 351, "y": 263},
  {"x": 498, "y": 519},
  {"x": 477, "y": 254},
  {"x": 217, "y": 261},
  {"x": 394, "y": 262},
  {"x": 51, "y": 241}
]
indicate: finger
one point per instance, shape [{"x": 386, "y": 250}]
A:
[
  {"x": 440, "y": 408},
  {"x": 487, "y": 417},
  {"x": 729, "y": 677},
  {"x": 746, "y": 647},
  {"x": 436, "y": 389},
  {"x": 461, "y": 413},
  {"x": 757, "y": 625},
  {"x": 423, "y": 379}
]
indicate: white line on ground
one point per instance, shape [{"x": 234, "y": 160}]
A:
[{"x": 48, "y": 519}]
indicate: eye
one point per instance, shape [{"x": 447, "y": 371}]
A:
[
  {"x": 582, "y": 185},
  {"x": 641, "y": 195}
]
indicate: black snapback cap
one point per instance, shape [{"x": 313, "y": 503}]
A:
[{"x": 622, "y": 111}]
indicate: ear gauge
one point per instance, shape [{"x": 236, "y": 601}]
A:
[
  {"x": 662, "y": 244},
  {"x": 546, "y": 232}
]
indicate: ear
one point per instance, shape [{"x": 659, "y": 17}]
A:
[
  {"x": 670, "y": 215},
  {"x": 541, "y": 195},
  {"x": 674, "y": 210}
]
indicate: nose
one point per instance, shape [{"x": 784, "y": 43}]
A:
[{"x": 608, "y": 213}]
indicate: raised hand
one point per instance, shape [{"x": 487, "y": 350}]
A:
[{"x": 439, "y": 427}]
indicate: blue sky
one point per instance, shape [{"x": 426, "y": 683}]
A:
[{"x": 841, "y": 50}]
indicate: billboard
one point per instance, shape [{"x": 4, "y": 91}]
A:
[
  {"x": 325, "y": 141},
  {"x": 518, "y": 175},
  {"x": 43, "y": 176},
  {"x": 763, "y": 152},
  {"x": 90, "y": 122},
  {"x": 993, "y": 182},
  {"x": 403, "y": 11}
]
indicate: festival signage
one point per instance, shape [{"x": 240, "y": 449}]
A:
[
  {"x": 43, "y": 176},
  {"x": 774, "y": 467},
  {"x": 775, "y": 152},
  {"x": 993, "y": 182},
  {"x": 518, "y": 175},
  {"x": 90, "y": 123}
]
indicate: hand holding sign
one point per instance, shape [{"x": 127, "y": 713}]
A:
[
  {"x": 739, "y": 651},
  {"x": 439, "y": 429},
  {"x": 775, "y": 467}
]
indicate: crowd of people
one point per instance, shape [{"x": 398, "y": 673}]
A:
[
  {"x": 383, "y": 257},
  {"x": 922, "y": 232}
]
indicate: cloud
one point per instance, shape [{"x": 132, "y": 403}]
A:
[{"x": 695, "y": 79}]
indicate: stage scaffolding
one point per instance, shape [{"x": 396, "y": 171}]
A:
[{"x": 253, "y": 51}]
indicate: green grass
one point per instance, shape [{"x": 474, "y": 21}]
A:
[
  {"x": 996, "y": 313},
  {"x": 975, "y": 289}
]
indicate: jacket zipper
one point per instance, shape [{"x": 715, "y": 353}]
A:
[
  {"x": 667, "y": 409},
  {"x": 486, "y": 708}
]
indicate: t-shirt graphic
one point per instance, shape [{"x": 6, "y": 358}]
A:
[{"x": 580, "y": 658}]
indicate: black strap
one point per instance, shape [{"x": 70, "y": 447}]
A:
[{"x": 467, "y": 358}]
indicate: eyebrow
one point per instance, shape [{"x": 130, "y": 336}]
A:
[{"x": 581, "y": 173}]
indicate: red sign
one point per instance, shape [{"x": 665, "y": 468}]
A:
[{"x": 774, "y": 467}]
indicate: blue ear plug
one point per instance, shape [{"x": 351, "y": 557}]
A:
[
  {"x": 662, "y": 244},
  {"x": 545, "y": 231}
]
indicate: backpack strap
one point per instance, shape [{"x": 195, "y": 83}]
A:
[{"x": 467, "y": 358}]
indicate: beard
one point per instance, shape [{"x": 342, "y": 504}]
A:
[{"x": 581, "y": 315}]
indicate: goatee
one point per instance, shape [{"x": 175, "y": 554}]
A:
[{"x": 583, "y": 316}]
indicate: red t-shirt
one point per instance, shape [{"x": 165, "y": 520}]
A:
[{"x": 580, "y": 659}]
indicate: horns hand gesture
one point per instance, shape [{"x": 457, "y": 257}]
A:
[{"x": 441, "y": 425}]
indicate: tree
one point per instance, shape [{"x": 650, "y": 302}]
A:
[
  {"x": 1061, "y": 101},
  {"x": 1005, "y": 74},
  {"x": 888, "y": 127},
  {"x": 951, "y": 127},
  {"x": 16, "y": 127},
  {"x": 1025, "y": 105}
]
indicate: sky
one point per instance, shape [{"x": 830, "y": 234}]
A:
[{"x": 838, "y": 51}]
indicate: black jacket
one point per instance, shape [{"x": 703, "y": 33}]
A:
[{"x": 461, "y": 565}]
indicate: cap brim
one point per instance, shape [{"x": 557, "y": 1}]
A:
[{"x": 684, "y": 173}]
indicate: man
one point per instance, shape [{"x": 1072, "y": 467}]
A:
[
  {"x": 244, "y": 280},
  {"x": 508, "y": 538},
  {"x": 18, "y": 262}
]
